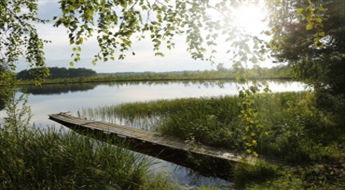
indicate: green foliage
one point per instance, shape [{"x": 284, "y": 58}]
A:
[
  {"x": 2, "y": 103},
  {"x": 19, "y": 36},
  {"x": 303, "y": 26},
  {"x": 314, "y": 16},
  {"x": 3, "y": 77},
  {"x": 191, "y": 17},
  {"x": 311, "y": 40},
  {"x": 311, "y": 176},
  {"x": 283, "y": 182},
  {"x": 162, "y": 20},
  {"x": 115, "y": 23},
  {"x": 314, "y": 48},
  {"x": 17, "y": 110},
  {"x": 247, "y": 174},
  {"x": 315, "y": 53},
  {"x": 221, "y": 68},
  {"x": 249, "y": 117}
]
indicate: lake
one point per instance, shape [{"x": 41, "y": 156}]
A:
[{"x": 49, "y": 99}]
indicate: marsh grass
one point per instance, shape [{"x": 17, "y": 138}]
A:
[
  {"x": 50, "y": 159},
  {"x": 290, "y": 119},
  {"x": 113, "y": 114},
  {"x": 293, "y": 129},
  {"x": 248, "y": 174}
]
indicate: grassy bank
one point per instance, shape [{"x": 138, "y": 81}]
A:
[
  {"x": 294, "y": 130},
  {"x": 34, "y": 159}
]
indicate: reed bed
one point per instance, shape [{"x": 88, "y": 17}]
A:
[
  {"x": 293, "y": 129},
  {"x": 50, "y": 159},
  {"x": 214, "y": 121}
]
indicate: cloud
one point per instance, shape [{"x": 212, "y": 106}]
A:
[{"x": 48, "y": 9}]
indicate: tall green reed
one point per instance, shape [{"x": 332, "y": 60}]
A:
[
  {"x": 287, "y": 119},
  {"x": 58, "y": 160}
]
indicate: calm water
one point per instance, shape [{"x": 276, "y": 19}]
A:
[{"x": 50, "y": 99}]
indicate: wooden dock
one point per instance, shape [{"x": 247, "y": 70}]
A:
[{"x": 143, "y": 140}]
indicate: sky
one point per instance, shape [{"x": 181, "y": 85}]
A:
[{"x": 58, "y": 53}]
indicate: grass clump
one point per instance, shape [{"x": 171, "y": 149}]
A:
[
  {"x": 35, "y": 159},
  {"x": 246, "y": 174},
  {"x": 206, "y": 120}
]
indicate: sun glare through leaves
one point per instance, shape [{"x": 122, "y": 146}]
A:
[{"x": 249, "y": 16}]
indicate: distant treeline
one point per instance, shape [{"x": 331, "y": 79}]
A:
[
  {"x": 56, "y": 72},
  {"x": 221, "y": 72},
  {"x": 81, "y": 75},
  {"x": 146, "y": 73}
]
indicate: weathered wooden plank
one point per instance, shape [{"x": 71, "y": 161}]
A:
[{"x": 155, "y": 139}]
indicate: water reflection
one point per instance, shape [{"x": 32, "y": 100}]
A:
[
  {"x": 57, "y": 88},
  {"x": 49, "y": 89}
]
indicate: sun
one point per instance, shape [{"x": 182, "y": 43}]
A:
[{"x": 249, "y": 17}]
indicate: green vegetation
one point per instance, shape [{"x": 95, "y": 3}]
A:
[
  {"x": 215, "y": 120},
  {"x": 48, "y": 159},
  {"x": 51, "y": 159},
  {"x": 304, "y": 128},
  {"x": 294, "y": 130},
  {"x": 312, "y": 41},
  {"x": 248, "y": 174},
  {"x": 55, "y": 73},
  {"x": 279, "y": 72}
]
